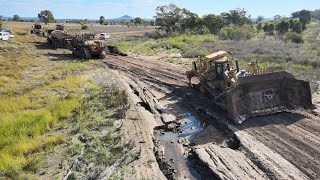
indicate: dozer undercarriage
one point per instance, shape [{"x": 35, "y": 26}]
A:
[{"x": 246, "y": 94}]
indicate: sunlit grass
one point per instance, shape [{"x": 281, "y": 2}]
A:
[
  {"x": 24, "y": 119},
  {"x": 36, "y": 95},
  {"x": 303, "y": 66},
  {"x": 185, "y": 44}
]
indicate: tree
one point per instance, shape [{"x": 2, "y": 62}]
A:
[
  {"x": 304, "y": 17},
  {"x": 168, "y": 17},
  {"x": 315, "y": 14},
  {"x": 0, "y": 23},
  {"x": 236, "y": 17},
  {"x": 189, "y": 20},
  {"x": 291, "y": 21},
  {"x": 46, "y": 16},
  {"x": 16, "y": 18},
  {"x": 124, "y": 22},
  {"x": 269, "y": 28},
  {"x": 297, "y": 27},
  {"x": 237, "y": 33},
  {"x": 152, "y": 23},
  {"x": 277, "y": 17},
  {"x": 259, "y": 26},
  {"x": 102, "y": 20},
  {"x": 283, "y": 27},
  {"x": 214, "y": 23},
  {"x": 138, "y": 21},
  {"x": 260, "y": 18}
]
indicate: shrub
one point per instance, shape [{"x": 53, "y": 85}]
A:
[
  {"x": 269, "y": 28},
  {"x": 23, "y": 33},
  {"x": 83, "y": 26},
  {"x": 202, "y": 31},
  {"x": 294, "y": 37},
  {"x": 259, "y": 26},
  {"x": 236, "y": 33},
  {"x": 297, "y": 27},
  {"x": 154, "y": 35},
  {"x": 283, "y": 27}
]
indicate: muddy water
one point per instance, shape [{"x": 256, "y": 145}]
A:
[
  {"x": 175, "y": 145},
  {"x": 191, "y": 126}
]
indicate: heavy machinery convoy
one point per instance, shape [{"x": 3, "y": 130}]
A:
[
  {"x": 84, "y": 46},
  {"x": 248, "y": 93}
]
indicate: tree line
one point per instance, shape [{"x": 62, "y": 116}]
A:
[
  {"x": 234, "y": 24},
  {"x": 171, "y": 18}
]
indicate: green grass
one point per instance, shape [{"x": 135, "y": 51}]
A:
[
  {"x": 303, "y": 66},
  {"x": 266, "y": 64},
  {"x": 26, "y": 118},
  {"x": 36, "y": 97},
  {"x": 95, "y": 118},
  {"x": 187, "y": 45}
]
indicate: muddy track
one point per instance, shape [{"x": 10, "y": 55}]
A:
[{"x": 292, "y": 138}]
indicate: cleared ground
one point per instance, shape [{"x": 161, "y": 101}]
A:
[
  {"x": 161, "y": 129},
  {"x": 271, "y": 147}
]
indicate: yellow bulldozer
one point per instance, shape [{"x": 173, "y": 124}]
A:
[{"x": 248, "y": 93}]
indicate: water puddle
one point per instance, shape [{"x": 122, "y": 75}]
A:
[
  {"x": 173, "y": 142},
  {"x": 186, "y": 130}
]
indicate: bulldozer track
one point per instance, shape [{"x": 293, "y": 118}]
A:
[
  {"x": 152, "y": 70},
  {"x": 294, "y": 135}
]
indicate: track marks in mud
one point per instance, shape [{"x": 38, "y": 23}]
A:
[
  {"x": 280, "y": 147},
  {"x": 273, "y": 164},
  {"x": 288, "y": 135}
]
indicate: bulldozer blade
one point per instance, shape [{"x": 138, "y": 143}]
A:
[{"x": 264, "y": 94}]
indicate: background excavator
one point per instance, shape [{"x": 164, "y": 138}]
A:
[{"x": 248, "y": 93}]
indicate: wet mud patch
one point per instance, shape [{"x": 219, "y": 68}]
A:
[{"x": 173, "y": 144}]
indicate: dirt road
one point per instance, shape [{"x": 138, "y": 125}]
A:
[{"x": 193, "y": 139}]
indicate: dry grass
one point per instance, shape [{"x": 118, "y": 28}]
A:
[
  {"x": 300, "y": 59},
  {"x": 36, "y": 96}
]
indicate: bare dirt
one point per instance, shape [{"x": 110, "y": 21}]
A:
[
  {"x": 178, "y": 133},
  {"x": 191, "y": 138}
]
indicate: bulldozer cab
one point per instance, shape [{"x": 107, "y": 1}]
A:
[
  {"x": 60, "y": 27},
  {"x": 87, "y": 37},
  {"x": 37, "y": 26},
  {"x": 220, "y": 68},
  {"x": 218, "y": 63}
]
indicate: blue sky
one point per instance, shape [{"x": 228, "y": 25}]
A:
[{"x": 86, "y": 9}]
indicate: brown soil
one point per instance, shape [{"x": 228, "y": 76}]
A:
[{"x": 279, "y": 146}]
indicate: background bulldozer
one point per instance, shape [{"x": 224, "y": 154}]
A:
[
  {"x": 37, "y": 29},
  {"x": 84, "y": 46},
  {"x": 248, "y": 93}
]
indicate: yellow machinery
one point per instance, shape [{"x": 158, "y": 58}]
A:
[
  {"x": 38, "y": 30},
  {"x": 248, "y": 93}
]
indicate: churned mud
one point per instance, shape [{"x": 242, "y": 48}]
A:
[{"x": 192, "y": 138}]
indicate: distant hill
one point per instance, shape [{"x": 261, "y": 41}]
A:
[{"x": 125, "y": 17}]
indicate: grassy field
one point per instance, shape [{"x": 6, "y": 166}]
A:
[
  {"x": 116, "y": 31},
  {"x": 45, "y": 103}
]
